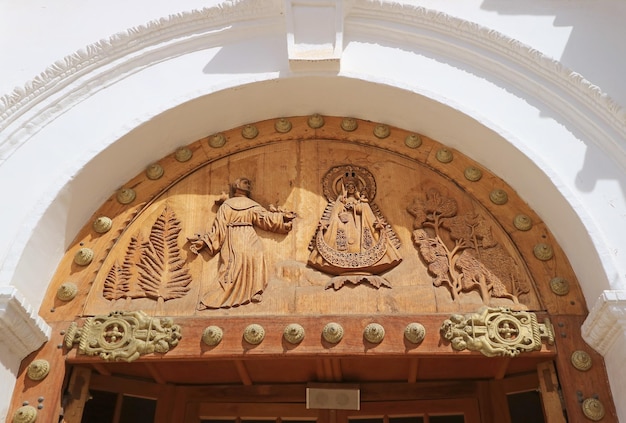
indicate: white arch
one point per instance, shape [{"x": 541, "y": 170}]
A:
[{"x": 105, "y": 112}]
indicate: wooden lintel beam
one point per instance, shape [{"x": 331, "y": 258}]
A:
[
  {"x": 328, "y": 370},
  {"x": 101, "y": 369},
  {"x": 155, "y": 374},
  {"x": 336, "y": 370},
  {"x": 319, "y": 370},
  {"x": 243, "y": 372},
  {"x": 501, "y": 371},
  {"x": 413, "y": 368}
]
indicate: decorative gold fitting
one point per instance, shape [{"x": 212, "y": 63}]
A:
[
  {"x": 183, "y": 154},
  {"x": 332, "y": 332},
  {"x": 473, "y": 174},
  {"x": 25, "y": 414},
  {"x": 559, "y": 286},
  {"x": 349, "y": 124},
  {"x": 593, "y": 409},
  {"x": 415, "y": 333},
  {"x": 83, "y": 256},
  {"x": 581, "y": 360},
  {"x": 254, "y": 334},
  {"x": 444, "y": 155},
  {"x": 498, "y": 197},
  {"x": 316, "y": 121},
  {"x": 413, "y": 141},
  {"x": 522, "y": 222},
  {"x": 154, "y": 171},
  {"x": 381, "y": 131},
  {"x": 282, "y": 125},
  {"x": 38, "y": 369},
  {"x": 217, "y": 140},
  {"x": 126, "y": 195},
  {"x": 249, "y": 132},
  {"x": 293, "y": 333},
  {"x": 212, "y": 335},
  {"x": 374, "y": 333},
  {"x": 543, "y": 252},
  {"x": 102, "y": 224},
  {"x": 67, "y": 291}
]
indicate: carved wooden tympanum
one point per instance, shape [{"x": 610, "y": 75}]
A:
[{"x": 353, "y": 241}]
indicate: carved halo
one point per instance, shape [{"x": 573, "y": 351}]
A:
[{"x": 331, "y": 182}]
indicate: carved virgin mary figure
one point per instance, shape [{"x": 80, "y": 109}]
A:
[
  {"x": 242, "y": 271},
  {"x": 353, "y": 241}
]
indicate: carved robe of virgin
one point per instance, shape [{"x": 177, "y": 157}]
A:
[{"x": 242, "y": 272}]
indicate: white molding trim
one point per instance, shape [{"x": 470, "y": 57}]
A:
[
  {"x": 23, "y": 331},
  {"x": 606, "y": 321}
]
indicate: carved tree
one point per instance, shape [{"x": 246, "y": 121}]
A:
[
  {"x": 118, "y": 281},
  {"x": 461, "y": 251},
  {"x": 162, "y": 274}
]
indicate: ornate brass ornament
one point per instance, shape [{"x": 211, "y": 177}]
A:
[
  {"x": 254, "y": 334},
  {"x": 83, "y": 256},
  {"x": 212, "y": 335},
  {"x": 217, "y": 140},
  {"x": 126, "y": 195},
  {"x": 102, "y": 224},
  {"x": 444, "y": 155},
  {"x": 25, "y": 414},
  {"x": 154, "y": 268},
  {"x": 415, "y": 333},
  {"x": 413, "y": 141},
  {"x": 559, "y": 286},
  {"x": 67, "y": 291},
  {"x": 123, "y": 335},
  {"x": 154, "y": 171},
  {"x": 332, "y": 332},
  {"x": 38, "y": 369},
  {"x": 498, "y": 197},
  {"x": 183, "y": 154},
  {"x": 543, "y": 251},
  {"x": 382, "y": 131},
  {"x": 349, "y": 124},
  {"x": 473, "y": 174},
  {"x": 593, "y": 409},
  {"x": 522, "y": 222},
  {"x": 461, "y": 252},
  {"x": 282, "y": 125},
  {"x": 581, "y": 360},
  {"x": 497, "y": 332},
  {"x": 249, "y": 132},
  {"x": 293, "y": 333},
  {"x": 374, "y": 333},
  {"x": 316, "y": 121},
  {"x": 353, "y": 241}
]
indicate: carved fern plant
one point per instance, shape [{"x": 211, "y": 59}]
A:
[{"x": 118, "y": 281}]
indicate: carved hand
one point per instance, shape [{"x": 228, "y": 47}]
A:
[{"x": 196, "y": 243}]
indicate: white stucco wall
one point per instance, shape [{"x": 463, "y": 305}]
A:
[{"x": 453, "y": 71}]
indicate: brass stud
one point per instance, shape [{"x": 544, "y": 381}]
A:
[
  {"x": 282, "y": 125},
  {"x": 102, "y": 224},
  {"x": 415, "y": 333},
  {"x": 349, "y": 124},
  {"x": 382, "y": 131},
  {"x": 332, "y": 332},
  {"x": 498, "y": 197},
  {"x": 67, "y": 291},
  {"x": 293, "y": 333},
  {"x": 126, "y": 195},
  {"x": 316, "y": 121},
  {"x": 83, "y": 256},
  {"x": 212, "y": 335},
  {"x": 522, "y": 222},
  {"x": 473, "y": 173},
  {"x": 38, "y": 369},
  {"x": 254, "y": 334},
  {"x": 593, "y": 409},
  {"x": 374, "y": 333},
  {"x": 581, "y": 360},
  {"x": 217, "y": 140},
  {"x": 543, "y": 252},
  {"x": 559, "y": 286},
  {"x": 444, "y": 155},
  {"x": 183, "y": 154},
  {"x": 25, "y": 414},
  {"x": 413, "y": 141},
  {"x": 154, "y": 171},
  {"x": 249, "y": 132}
]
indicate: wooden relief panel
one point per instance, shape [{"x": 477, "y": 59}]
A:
[{"x": 307, "y": 227}]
